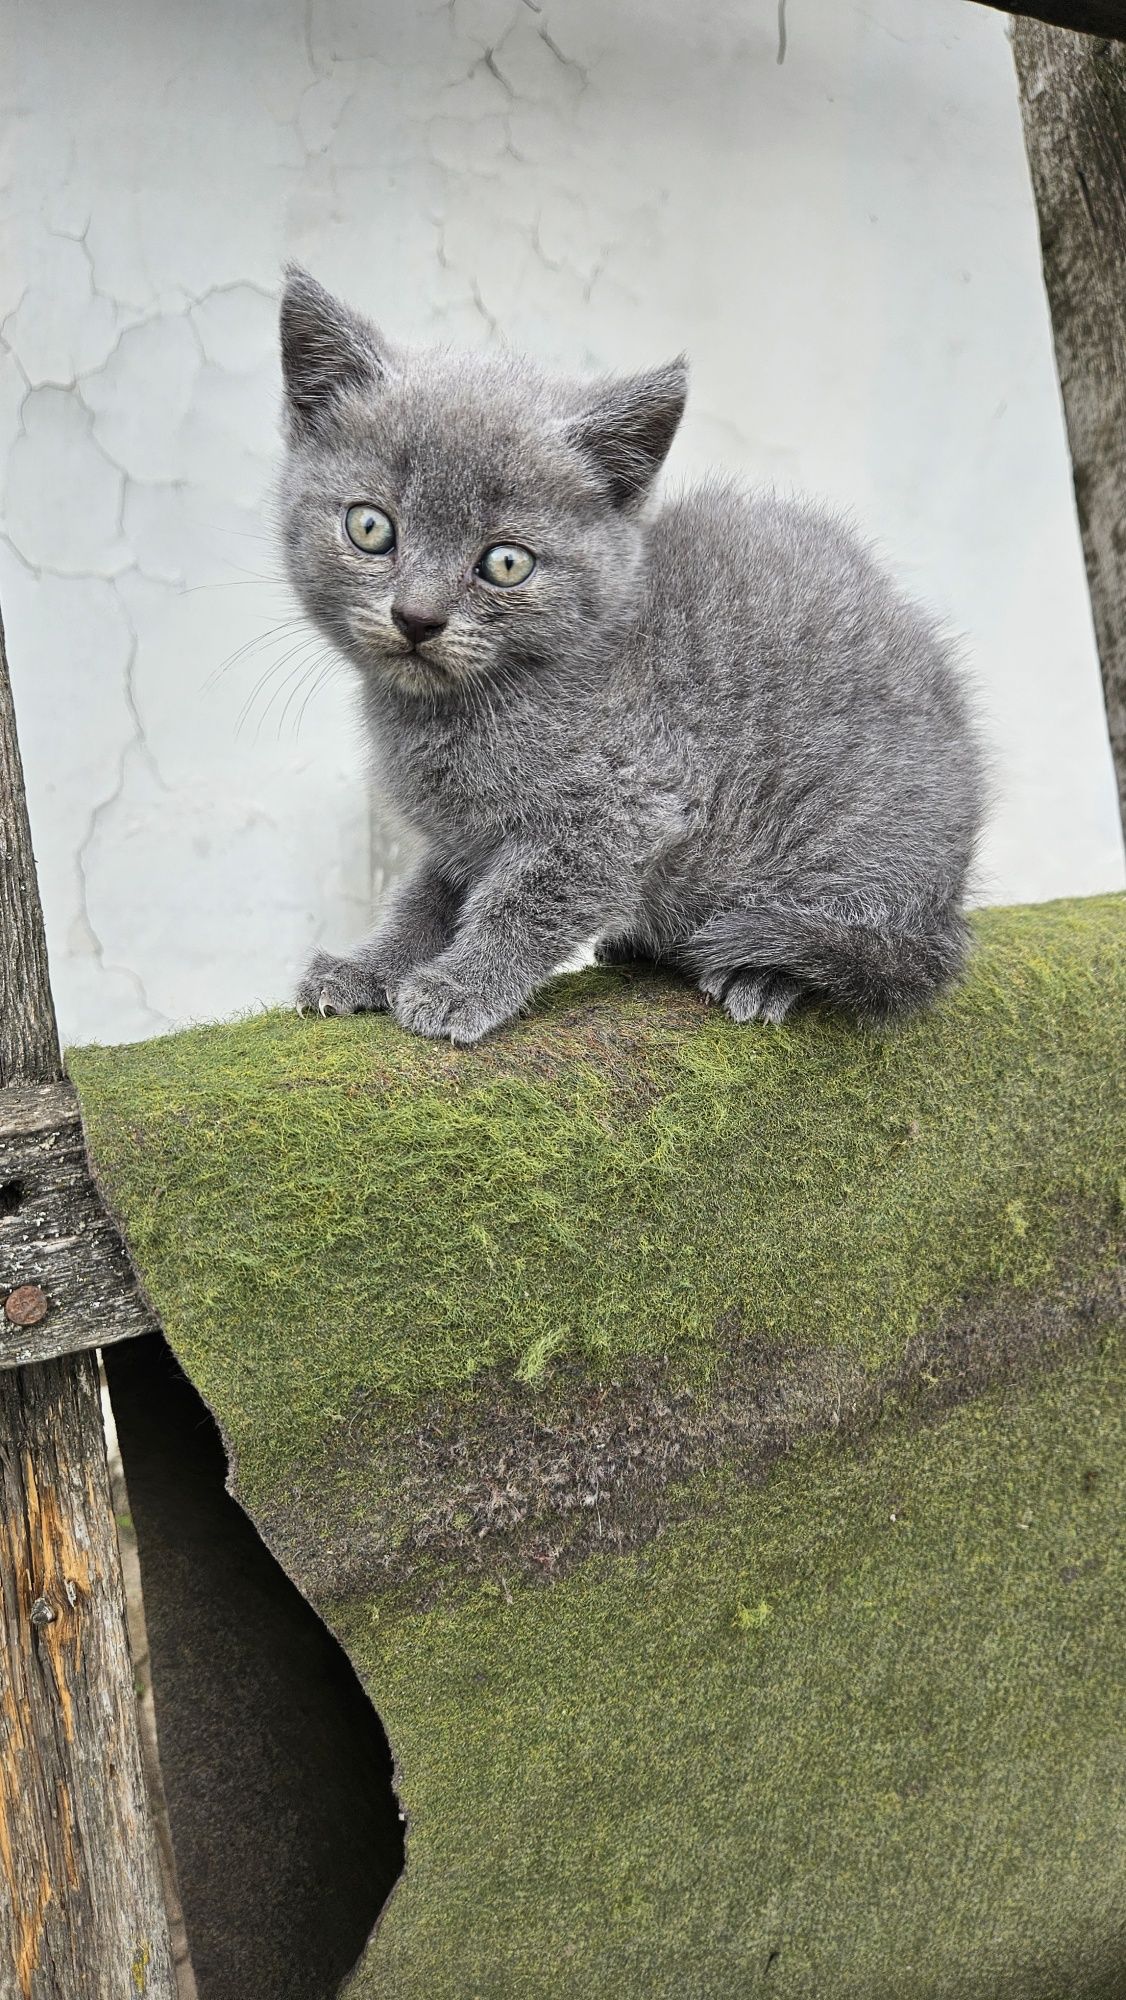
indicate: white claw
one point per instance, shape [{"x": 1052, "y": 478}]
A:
[
  {"x": 323, "y": 1007},
  {"x": 299, "y": 1007}
]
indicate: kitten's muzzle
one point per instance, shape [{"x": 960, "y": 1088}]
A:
[{"x": 417, "y": 623}]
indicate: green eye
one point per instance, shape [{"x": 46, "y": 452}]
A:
[
  {"x": 370, "y": 529},
  {"x": 506, "y": 563}
]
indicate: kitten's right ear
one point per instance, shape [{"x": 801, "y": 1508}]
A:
[{"x": 325, "y": 347}]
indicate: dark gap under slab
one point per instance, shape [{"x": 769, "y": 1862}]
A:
[
  {"x": 11, "y": 1197},
  {"x": 276, "y": 1768}
]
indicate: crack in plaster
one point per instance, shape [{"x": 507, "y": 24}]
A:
[
  {"x": 79, "y": 238},
  {"x": 137, "y": 744},
  {"x": 319, "y": 75},
  {"x": 568, "y": 62},
  {"x": 74, "y": 384},
  {"x": 490, "y": 61},
  {"x": 4, "y": 323}
]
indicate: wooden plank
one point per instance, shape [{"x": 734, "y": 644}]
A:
[
  {"x": 81, "y": 1912},
  {"x": 66, "y": 1280},
  {"x": 1073, "y": 102},
  {"x": 1087, "y": 17}
]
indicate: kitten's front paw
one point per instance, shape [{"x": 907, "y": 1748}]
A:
[
  {"x": 434, "y": 1004},
  {"x": 340, "y": 986}
]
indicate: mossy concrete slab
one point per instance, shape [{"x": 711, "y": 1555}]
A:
[{"x": 707, "y": 1443}]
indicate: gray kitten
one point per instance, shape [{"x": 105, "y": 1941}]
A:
[{"x": 711, "y": 732}]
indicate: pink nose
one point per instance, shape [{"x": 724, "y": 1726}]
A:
[{"x": 416, "y": 625}]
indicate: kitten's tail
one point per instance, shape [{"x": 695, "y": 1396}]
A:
[{"x": 874, "y": 963}]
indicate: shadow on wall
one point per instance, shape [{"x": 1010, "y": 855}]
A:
[{"x": 277, "y": 1772}]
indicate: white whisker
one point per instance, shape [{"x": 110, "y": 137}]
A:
[
  {"x": 308, "y": 668},
  {"x": 326, "y": 673},
  {"x": 300, "y": 653},
  {"x": 279, "y": 632}
]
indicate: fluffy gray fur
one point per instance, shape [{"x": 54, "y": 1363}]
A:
[{"x": 711, "y": 732}]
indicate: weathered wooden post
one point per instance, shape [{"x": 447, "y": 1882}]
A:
[
  {"x": 1073, "y": 99},
  {"x": 81, "y": 1911},
  {"x": 1086, "y": 17}
]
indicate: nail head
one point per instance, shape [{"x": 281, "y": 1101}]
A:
[{"x": 26, "y": 1306}]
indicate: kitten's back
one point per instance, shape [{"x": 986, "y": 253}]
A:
[{"x": 784, "y": 643}]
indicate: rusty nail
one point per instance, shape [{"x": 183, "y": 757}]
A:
[
  {"x": 26, "y": 1306},
  {"x": 41, "y": 1612}
]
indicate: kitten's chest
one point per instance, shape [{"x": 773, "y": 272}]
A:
[{"x": 458, "y": 782}]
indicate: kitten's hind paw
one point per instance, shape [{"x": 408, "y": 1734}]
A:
[
  {"x": 340, "y": 986},
  {"x": 759, "y": 996}
]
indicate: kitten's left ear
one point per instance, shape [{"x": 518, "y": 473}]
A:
[
  {"x": 325, "y": 347},
  {"x": 627, "y": 424}
]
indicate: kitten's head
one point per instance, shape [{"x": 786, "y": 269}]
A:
[{"x": 448, "y": 515}]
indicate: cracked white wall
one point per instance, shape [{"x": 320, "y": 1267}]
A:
[{"x": 844, "y": 242}]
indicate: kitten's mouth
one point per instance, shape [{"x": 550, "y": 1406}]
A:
[
  {"x": 393, "y": 652},
  {"x": 415, "y": 669},
  {"x": 426, "y": 659},
  {"x": 422, "y": 666}
]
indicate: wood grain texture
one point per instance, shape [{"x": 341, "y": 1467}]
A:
[
  {"x": 81, "y": 1912},
  {"x": 29, "y": 1042},
  {"x": 1088, "y": 17},
  {"x": 56, "y": 1234},
  {"x": 1073, "y": 101}
]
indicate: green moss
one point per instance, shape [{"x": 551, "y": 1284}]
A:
[
  {"x": 854, "y": 1728},
  {"x": 332, "y": 1214},
  {"x": 906, "y": 1780}
]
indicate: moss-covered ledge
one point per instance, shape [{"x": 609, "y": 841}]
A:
[{"x": 707, "y": 1442}]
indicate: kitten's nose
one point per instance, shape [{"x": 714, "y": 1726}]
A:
[{"x": 417, "y": 624}]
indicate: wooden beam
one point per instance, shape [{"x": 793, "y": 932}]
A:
[
  {"x": 66, "y": 1279},
  {"x": 1073, "y": 101},
  {"x": 81, "y": 1912},
  {"x": 1087, "y": 17}
]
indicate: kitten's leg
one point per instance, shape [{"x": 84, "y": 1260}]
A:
[
  {"x": 418, "y": 924},
  {"x": 518, "y": 925},
  {"x": 874, "y": 959}
]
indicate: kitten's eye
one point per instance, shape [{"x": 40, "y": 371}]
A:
[
  {"x": 370, "y": 529},
  {"x": 506, "y": 563}
]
